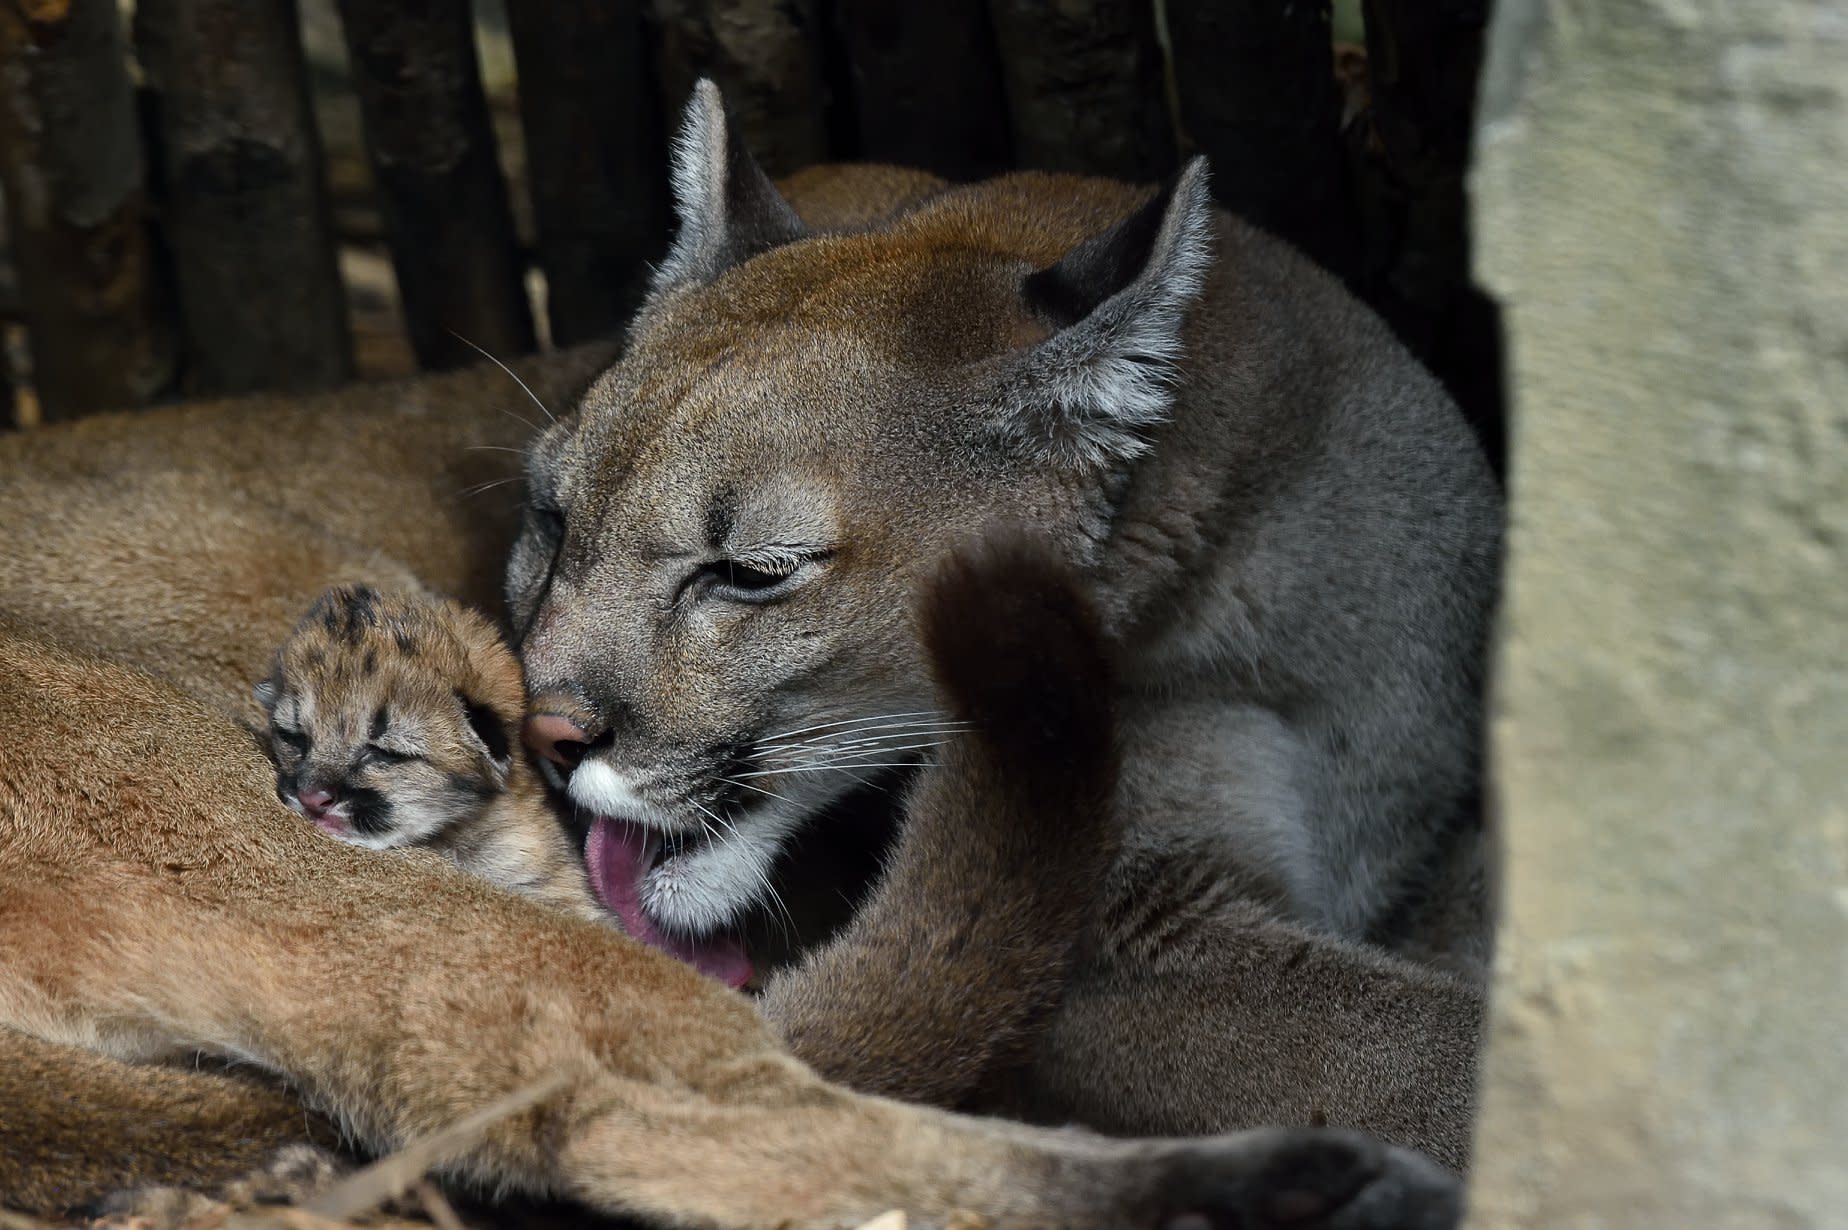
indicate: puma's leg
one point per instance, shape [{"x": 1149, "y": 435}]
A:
[
  {"x": 155, "y": 901},
  {"x": 74, "y": 1126},
  {"x": 1193, "y": 1021},
  {"x": 951, "y": 966},
  {"x": 681, "y": 1106}
]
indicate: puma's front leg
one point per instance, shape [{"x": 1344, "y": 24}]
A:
[
  {"x": 400, "y": 996},
  {"x": 1200, "y": 1014}
]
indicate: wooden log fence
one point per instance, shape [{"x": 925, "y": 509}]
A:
[
  {"x": 242, "y": 193},
  {"x": 71, "y": 168},
  {"x": 595, "y": 145},
  {"x": 208, "y": 250},
  {"x": 438, "y": 178}
]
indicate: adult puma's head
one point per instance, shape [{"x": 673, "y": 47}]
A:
[{"x": 714, "y": 582}]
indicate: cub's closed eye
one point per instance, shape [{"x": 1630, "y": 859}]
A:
[
  {"x": 384, "y": 755},
  {"x": 292, "y": 738}
]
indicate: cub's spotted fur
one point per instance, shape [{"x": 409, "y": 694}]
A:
[{"x": 392, "y": 718}]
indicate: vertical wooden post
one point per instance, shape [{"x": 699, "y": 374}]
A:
[
  {"x": 596, "y": 156},
  {"x": 1256, "y": 88},
  {"x": 70, "y": 163},
  {"x": 1084, "y": 86},
  {"x": 1659, "y": 199},
  {"x": 244, "y": 197},
  {"x": 766, "y": 57},
  {"x": 927, "y": 84},
  {"x": 439, "y": 180}
]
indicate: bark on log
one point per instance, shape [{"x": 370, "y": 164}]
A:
[
  {"x": 765, "y": 56},
  {"x": 1423, "y": 59},
  {"x": 927, "y": 89},
  {"x": 1256, "y": 89},
  {"x": 1084, "y": 86},
  {"x": 243, "y": 196},
  {"x": 596, "y": 156},
  {"x": 439, "y": 180},
  {"x": 70, "y": 163}
]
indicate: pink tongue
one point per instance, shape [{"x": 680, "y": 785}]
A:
[{"x": 619, "y": 854}]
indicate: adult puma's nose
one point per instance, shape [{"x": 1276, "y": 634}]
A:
[
  {"x": 316, "y": 801},
  {"x": 559, "y": 739}
]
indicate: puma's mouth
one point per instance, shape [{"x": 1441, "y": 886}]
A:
[{"x": 631, "y": 863}]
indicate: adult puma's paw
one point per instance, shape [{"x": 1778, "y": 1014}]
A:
[
  {"x": 1310, "y": 1180},
  {"x": 1017, "y": 646}
]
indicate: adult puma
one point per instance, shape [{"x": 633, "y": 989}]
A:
[
  {"x": 156, "y": 900},
  {"x": 1283, "y": 519}
]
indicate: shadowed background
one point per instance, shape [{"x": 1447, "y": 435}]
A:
[{"x": 222, "y": 196}]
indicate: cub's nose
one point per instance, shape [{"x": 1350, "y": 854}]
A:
[
  {"x": 559, "y": 739},
  {"x": 315, "y": 801}
]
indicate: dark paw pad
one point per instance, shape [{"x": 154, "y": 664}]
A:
[{"x": 1319, "y": 1181}]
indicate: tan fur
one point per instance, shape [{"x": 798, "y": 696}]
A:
[
  {"x": 156, "y": 901},
  {"x": 398, "y": 994}
]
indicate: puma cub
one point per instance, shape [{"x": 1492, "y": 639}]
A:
[{"x": 394, "y": 719}]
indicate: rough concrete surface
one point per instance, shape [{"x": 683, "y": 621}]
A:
[{"x": 1662, "y": 202}]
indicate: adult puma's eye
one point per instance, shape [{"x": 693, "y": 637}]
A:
[
  {"x": 746, "y": 579},
  {"x": 761, "y": 577}
]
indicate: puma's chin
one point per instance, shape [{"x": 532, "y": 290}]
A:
[
  {"x": 686, "y": 867},
  {"x": 681, "y": 892},
  {"x": 702, "y": 883}
]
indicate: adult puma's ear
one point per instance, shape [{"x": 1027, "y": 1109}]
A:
[
  {"x": 491, "y": 734},
  {"x": 1086, "y": 395},
  {"x": 729, "y": 210}
]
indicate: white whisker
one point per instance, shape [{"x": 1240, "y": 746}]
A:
[
  {"x": 824, "y": 766},
  {"x": 478, "y": 488},
  {"x": 877, "y": 717},
  {"x": 861, "y": 752},
  {"x": 760, "y": 790},
  {"x": 827, "y": 747},
  {"x": 893, "y": 730},
  {"x": 516, "y": 379}
]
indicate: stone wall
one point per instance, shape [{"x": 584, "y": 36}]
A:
[{"x": 1662, "y": 206}]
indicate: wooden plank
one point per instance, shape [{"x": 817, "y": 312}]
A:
[
  {"x": 438, "y": 178},
  {"x": 596, "y": 157},
  {"x": 71, "y": 167},
  {"x": 766, "y": 56},
  {"x": 243, "y": 196},
  {"x": 1255, "y": 85},
  {"x": 1085, "y": 90},
  {"x": 927, "y": 89}
]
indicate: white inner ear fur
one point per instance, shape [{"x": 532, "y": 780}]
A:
[
  {"x": 1084, "y": 395},
  {"x": 697, "y": 178}
]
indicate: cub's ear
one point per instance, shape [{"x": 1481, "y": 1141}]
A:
[
  {"x": 729, "y": 210},
  {"x": 265, "y": 692},
  {"x": 1086, "y": 395},
  {"x": 490, "y": 734}
]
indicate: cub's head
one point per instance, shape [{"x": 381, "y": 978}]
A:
[
  {"x": 713, "y": 585},
  {"x": 391, "y": 715}
]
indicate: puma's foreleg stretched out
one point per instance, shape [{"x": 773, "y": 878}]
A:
[{"x": 397, "y": 995}]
